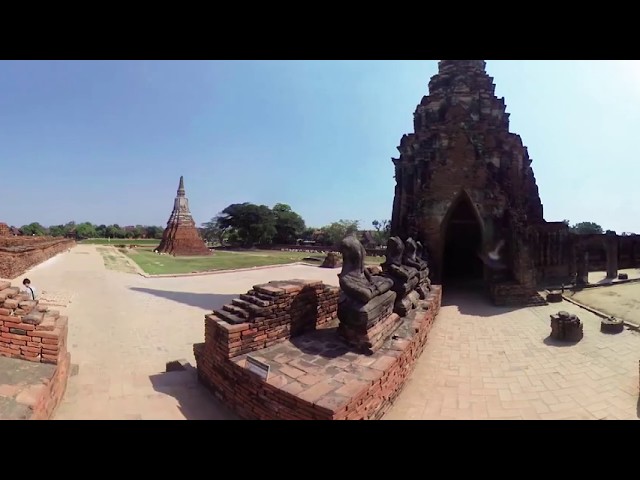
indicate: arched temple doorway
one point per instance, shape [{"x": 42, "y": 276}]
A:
[{"x": 462, "y": 233}]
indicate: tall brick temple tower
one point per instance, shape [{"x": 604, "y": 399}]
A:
[
  {"x": 181, "y": 237},
  {"x": 464, "y": 185}
]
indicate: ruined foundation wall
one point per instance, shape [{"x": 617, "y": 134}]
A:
[
  {"x": 31, "y": 332},
  {"x": 19, "y": 254},
  {"x": 252, "y": 398},
  {"x": 270, "y": 313}
]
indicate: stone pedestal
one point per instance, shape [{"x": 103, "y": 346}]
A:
[
  {"x": 407, "y": 303},
  {"x": 369, "y": 340},
  {"x": 365, "y": 316},
  {"x": 554, "y": 296},
  {"x": 611, "y": 325},
  {"x": 566, "y": 327}
]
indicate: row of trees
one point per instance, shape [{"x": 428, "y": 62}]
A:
[
  {"x": 89, "y": 230},
  {"x": 241, "y": 224},
  {"x": 248, "y": 224}
]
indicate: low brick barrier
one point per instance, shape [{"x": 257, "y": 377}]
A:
[
  {"x": 29, "y": 331},
  {"x": 313, "y": 375},
  {"x": 19, "y": 254},
  {"x": 270, "y": 313}
]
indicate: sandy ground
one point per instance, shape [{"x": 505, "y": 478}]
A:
[
  {"x": 622, "y": 301},
  {"x": 601, "y": 277},
  {"x": 480, "y": 361}
]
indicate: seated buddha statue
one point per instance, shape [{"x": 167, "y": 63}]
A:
[
  {"x": 411, "y": 259},
  {"x": 364, "y": 298},
  {"x": 405, "y": 278}
]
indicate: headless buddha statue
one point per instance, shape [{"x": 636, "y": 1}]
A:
[
  {"x": 411, "y": 259},
  {"x": 422, "y": 253},
  {"x": 364, "y": 298},
  {"x": 405, "y": 278}
]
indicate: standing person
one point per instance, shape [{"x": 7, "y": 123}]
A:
[{"x": 29, "y": 288}]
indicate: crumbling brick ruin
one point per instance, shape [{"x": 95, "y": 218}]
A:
[
  {"x": 332, "y": 353},
  {"x": 19, "y": 254},
  {"x": 32, "y": 332},
  {"x": 181, "y": 237},
  {"x": 5, "y": 231},
  {"x": 465, "y": 187}
]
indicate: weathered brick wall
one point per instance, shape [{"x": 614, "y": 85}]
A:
[
  {"x": 4, "y": 230},
  {"x": 32, "y": 332},
  {"x": 269, "y": 313},
  {"x": 51, "y": 393},
  {"x": 399, "y": 361},
  {"x": 29, "y": 331},
  {"x": 19, "y": 254},
  {"x": 370, "y": 396}
]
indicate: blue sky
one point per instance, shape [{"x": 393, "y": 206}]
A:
[{"x": 106, "y": 141}]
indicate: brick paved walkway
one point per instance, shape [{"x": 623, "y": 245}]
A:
[{"x": 484, "y": 362}]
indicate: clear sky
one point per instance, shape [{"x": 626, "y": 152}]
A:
[{"x": 106, "y": 141}]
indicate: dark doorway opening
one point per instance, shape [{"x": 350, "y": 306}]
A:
[{"x": 461, "y": 262}]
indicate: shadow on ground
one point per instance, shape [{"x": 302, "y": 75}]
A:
[
  {"x": 472, "y": 301},
  {"x": 206, "y": 301},
  {"x": 552, "y": 342},
  {"x": 195, "y": 402}
]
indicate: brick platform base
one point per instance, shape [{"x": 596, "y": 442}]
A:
[
  {"x": 34, "y": 362},
  {"x": 31, "y": 391},
  {"x": 316, "y": 376},
  {"x": 369, "y": 341}
]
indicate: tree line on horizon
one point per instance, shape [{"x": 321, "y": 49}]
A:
[
  {"x": 239, "y": 224},
  {"x": 247, "y": 224}
]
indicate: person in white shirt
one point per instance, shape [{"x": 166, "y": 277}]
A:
[{"x": 29, "y": 289}]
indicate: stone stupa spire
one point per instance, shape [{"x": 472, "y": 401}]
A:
[
  {"x": 181, "y": 237},
  {"x": 181, "y": 192}
]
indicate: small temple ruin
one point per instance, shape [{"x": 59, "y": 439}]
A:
[
  {"x": 181, "y": 237},
  {"x": 465, "y": 188},
  {"x": 466, "y": 212}
]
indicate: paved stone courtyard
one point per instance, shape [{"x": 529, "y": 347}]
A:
[
  {"x": 481, "y": 362},
  {"x": 484, "y": 362}
]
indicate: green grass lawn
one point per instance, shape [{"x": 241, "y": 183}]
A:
[
  {"x": 155, "y": 264},
  {"x": 120, "y": 241}
]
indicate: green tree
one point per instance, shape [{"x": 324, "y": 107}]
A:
[
  {"x": 57, "y": 230},
  {"x": 335, "y": 232},
  {"x": 383, "y": 230},
  {"x": 34, "y": 229},
  {"x": 69, "y": 227},
  {"x": 213, "y": 233},
  {"x": 85, "y": 230},
  {"x": 114, "y": 231},
  {"x": 101, "y": 231},
  {"x": 252, "y": 224},
  {"x": 289, "y": 225},
  {"x": 585, "y": 228},
  {"x": 153, "y": 231}
]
